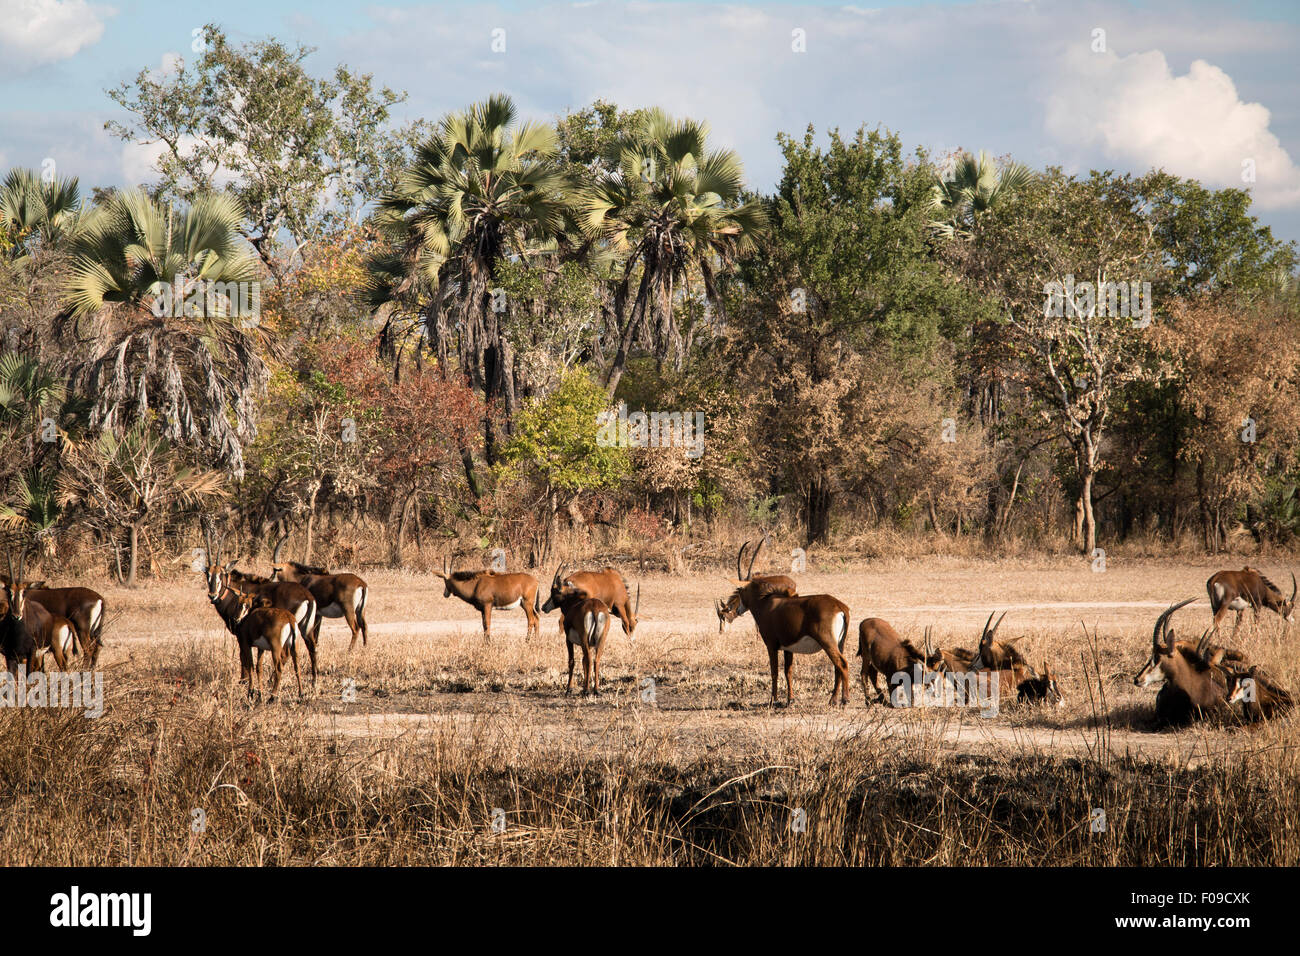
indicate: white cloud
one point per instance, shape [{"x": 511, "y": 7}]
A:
[
  {"x": 35, "y": 32},
  {"x": 1137, "y": 111}
]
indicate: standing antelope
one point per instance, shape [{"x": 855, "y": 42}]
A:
[
  {"x": 1247, "y": 588},
  {"x": 256, "y": 624},
  {"x": 885, "y": 653},
  {"x": 28, "y": 631},
  {"x": 585, "y": 623},
  {"x": 82, "y": 607},
  {"x": 1190, "y": 680},
  {"x": 485, "y": 590},
  {"x": 799, "y": 625},
  {"x": 337, "y": 595},
  {"x": 608, "y": 587},
  {"x": 732, "y": 607}
]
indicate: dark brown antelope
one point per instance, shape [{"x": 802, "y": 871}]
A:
[
  {"x": 1192, "y": 683},
  {"x": 82, "y": 607},
  {"x": 1247, "y": 588},
  {"x": 256, "y": 624},
  {"x": 608, "y": 587},
  {"x": 733, "y": 607},
  {"x": 1260, "y": 697},
  {"x": 585, "y": 623},
  {"x": 286, "y": 595},
  {"x": 28, "y": 631},
  {"x": 485, "y": 590},
  {"x": 799, "y": 625},
  {"x": 885, "y": 653},
  {"x": 337, "y": 594},
  {"x": 1043, "y": 689},
  {"x": 957, "y": 660},
  {"x": 1001, "y": 656}
]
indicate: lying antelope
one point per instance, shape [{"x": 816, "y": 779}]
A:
[
  {"x": 885, "y": 653},
  {"x": 1001, "y": 656},
  {"x": 1042, "y": 689},
  {"x": 799, "y": 625},
  {"x": 608, "y": 587},
  {"x": 485, "y": 590},
  {"x": 83, "y": 609},
  {"x": 585, "y": 623},
  {"x": 28, "y": 631},
  {"x": 1247, "y": 588},
  {"x": 957, "y": 660},
  {"x": 1191, "y": 678},
  {"x": 337, "y": 595},
  {"x": 733, "y": 607},
  {"x": 1263, "y": 699}
]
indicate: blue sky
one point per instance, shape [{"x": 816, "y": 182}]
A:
[{"x": 1197, "y": 88}]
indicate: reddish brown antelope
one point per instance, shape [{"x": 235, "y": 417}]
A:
[
  {"x": 256, "y": 624},
  {"x": 957, "y": 660},
  {"x": 82, "y": 607},
  {"x": 885, "y": 653},
  {"x": 733, "y": 607},
  {"x": 485, "y": 590},
  {"x": 609, "y": 588},
  {"x": 28, "y": 632},
  {"x": 1260, "y": 697},
  {"x": 286, "y": 595},
  {"x": 585, "y": 623},
  {"x": 1190, "y": 679},
  {"x": 1247, "y": 588},
  {"x": 799, "y": 625},
  {"x": 337, "y": 595}
]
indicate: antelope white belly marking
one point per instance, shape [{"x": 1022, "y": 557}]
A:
[
  {"x": 805, "y": 645},
  {"x": 511, "y": 606}
]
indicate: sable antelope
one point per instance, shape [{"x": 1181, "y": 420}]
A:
[
  {"x": 286, "y": 595},
  {"x": 1247, "y": 588},
  {"x": 1191, "y": 680},
  {"x": 585, "y": 623},
  {"x": 957, "y": 660},
  {"x": 28, "y": 631},
  {"x": 1042, "y": 689},
  {"x": 799, "y": 625},
  {"x": 885, "y": 653},
  {"x": 256, "y": 624},
  {"x": 1263, "y": 699},
  {"x": 733, "y": 607},
  {"x": 486, "y": 590},
  {"x": 608, "y": 587},
  {"x": 82, "y": 607},
  {"x": 337, "y": 595}
]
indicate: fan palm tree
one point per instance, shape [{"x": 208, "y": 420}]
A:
[
  {"x": 482, "y": 188},
  {"x": 669, "y": 206},
  {"x": 975, "y": 185},
  {"x": 49, "y": 212},
  {"x": 199, "y": 370}
]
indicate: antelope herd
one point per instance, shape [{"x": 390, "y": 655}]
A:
[{"x": 1195, "y": 679}]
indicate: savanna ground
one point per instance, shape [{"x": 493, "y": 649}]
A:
[{"x": 446, "y": 733}]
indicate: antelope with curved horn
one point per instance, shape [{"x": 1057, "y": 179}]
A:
[
  {"x": 1247, "y": 588},
  {"x": 885, "y": 653},
  {"x": 609, "y": 588},
  {"x": 1190, "y": 679},
  {"x": 732, "y": 607},
  {"x": 256, "y": 624},
  {"x": 82, "y": 607},
  {"x": 1262, "y": 698},
  {"x": 485, "y": 590},
  {"x": 337, "y": 595},
  {"x": 28, "y": 631},
  {"x": 285, "y": 595},
  {"x": 584, "y": 622},
  {"x": 792, "y": 625}
]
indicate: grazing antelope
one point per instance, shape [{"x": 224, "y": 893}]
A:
[
  {"x": 733, "y": 607},
  {"x": 28, "y": 631},
  {"x": 1043, "y": 689},
  {"x": 82, "y": 607},
  {"x": 337, "y": 595},
  {"x": 1262, "y": 698},
  {"x": 256, "y": 624},
  {"x": 608, "y": 587},
  {"x": 585, "y": 623},
  {"x": 799, "y": 625},
  {"x": 486, "y": 590},
  {"x": 957, "y": 660},
  {"x": 1191, "y": 679},
  {"x": 1247, "y": 588},
  {"x": 885, "y": 653},
  {"x": 286, "y": 595}
]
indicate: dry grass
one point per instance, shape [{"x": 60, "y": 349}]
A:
[{"x": 445, "y": 728}]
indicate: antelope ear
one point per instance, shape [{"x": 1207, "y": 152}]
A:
[{"x": 36, "y": 584}]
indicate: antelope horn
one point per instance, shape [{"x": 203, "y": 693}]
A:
[
  {"x": 749, "y": 572},
  {"x": 739, "y": 558},
  {"x": 636, "y": 608},
  {"x": 928, "y": 646},
  {"x": 985, "y": 633},
  {"x": 446, "y": 566},
  {"x": 1162, "y": 622},
  {"x": 279, "y": 546},
  {"x": 22, "y": 561},
  {"x": 1203, "y": 643},
  {"x": 1293, "y": 586},
  {"x": 994, "y": 632},
  {"x": 555, "y": 581}
]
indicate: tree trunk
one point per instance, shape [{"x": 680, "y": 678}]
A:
[
  {"x": 133, "y": 546},
  {"x": 817, "y": 502},
  {"x": 1089, "y": 518}
]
